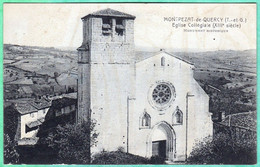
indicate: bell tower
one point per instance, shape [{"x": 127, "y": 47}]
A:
[{"x": 106, "y": 74}]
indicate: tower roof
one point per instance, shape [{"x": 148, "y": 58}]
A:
[{"x": 109, "y": 13}]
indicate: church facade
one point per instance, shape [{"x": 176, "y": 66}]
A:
[{"x": 149, "y": 107}]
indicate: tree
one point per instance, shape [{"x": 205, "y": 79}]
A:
[
  {"x": 56, "y": 75},
  {"x": 222, "y": 149},
  {"x": 72, "y": 142},
  {"x": 10, "y": 153},
  {"x": 10, "y": 121}
]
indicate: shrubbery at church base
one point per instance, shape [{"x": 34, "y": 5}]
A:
[
  {"x": 68, "y": 144},
  {"x": 72, "y": 142},
  {"x": 120, "y": 157},
  {"x": 223, "y": 150}
]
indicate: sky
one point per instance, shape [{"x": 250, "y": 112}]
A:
[{"x": 60, "y": 25}]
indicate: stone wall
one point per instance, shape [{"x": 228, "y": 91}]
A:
[
  {"x": 235, "y": 133},
  {"x": 105, "y": 80}
]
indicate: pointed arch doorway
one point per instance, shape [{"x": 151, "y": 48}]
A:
[{"x": 162, "y": 141}]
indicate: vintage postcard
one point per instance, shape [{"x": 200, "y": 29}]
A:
[{"x": 133, "y": 83}]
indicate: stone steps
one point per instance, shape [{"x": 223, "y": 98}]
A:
[{"x": 175, "y": 162}]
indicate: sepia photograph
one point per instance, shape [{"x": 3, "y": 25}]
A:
[{"x": 130, "y": 83}]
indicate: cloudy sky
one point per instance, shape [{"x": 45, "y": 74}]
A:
[{"x": 59, "y": 25}]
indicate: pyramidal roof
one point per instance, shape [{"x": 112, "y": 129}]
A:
[{"x": 109, "y": 13}]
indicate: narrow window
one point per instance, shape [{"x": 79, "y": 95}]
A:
[
  {"x": 177, "y": 117},
  {"x": 145, "y": 121},
  {"x": 81, "y": 78},
  {"x": 162, "y": 61},
  {"x": 81, "y": 56}
]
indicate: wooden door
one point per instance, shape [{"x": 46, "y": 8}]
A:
[{"x": 159, "y": 148}]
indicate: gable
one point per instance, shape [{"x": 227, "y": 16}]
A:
[{"x": 164, "y": 55}]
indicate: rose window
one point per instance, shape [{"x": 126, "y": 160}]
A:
[{"x": 162, "y": 94}]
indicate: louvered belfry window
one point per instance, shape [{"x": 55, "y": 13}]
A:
[
  {"x": 120, "y": 28},
  {"x": 106, "y": 26}
]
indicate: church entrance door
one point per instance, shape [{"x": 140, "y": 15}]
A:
[
  {"x": 162, "y": 141},
  {"x": 159, "y": 148}
]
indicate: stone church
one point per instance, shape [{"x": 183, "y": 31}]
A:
[{"x": 149, "y": 106}]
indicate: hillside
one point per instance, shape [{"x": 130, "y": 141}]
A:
[
  {"x": 40, "y": 70},
  {"x": 46, "y": 70},
  {"x": 244, "y": 61}
]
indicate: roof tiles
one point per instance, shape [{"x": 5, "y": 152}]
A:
[
  {"x": 109, "y": 13},
  {"x": 25, "y": 107}
]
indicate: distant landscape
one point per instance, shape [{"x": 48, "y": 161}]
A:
[
  {"x": 41, "y": 71},
  {"x": 37, "y": 71},
  {"x": 233, "y": 73}
]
